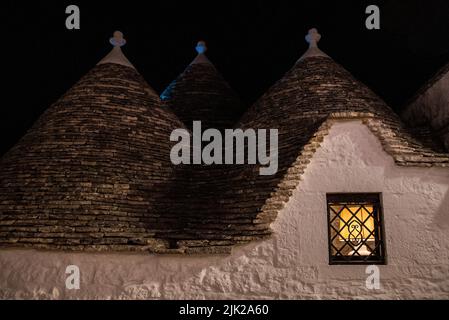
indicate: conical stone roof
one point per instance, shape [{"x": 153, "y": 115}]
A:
[
  {"x": 427, "y": 112},
  {"x": 318, "y": 89},
  {"x": 201, "y": 93},
  {"x": 94, "y": 171},
  {"x": 221, "y": 206},
  {"x": 303, "y": 106}
]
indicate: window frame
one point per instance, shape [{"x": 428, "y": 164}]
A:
[{"x": 358, "y": 199}]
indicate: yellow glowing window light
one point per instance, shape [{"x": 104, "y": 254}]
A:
[{"x": 352, "y": 228}]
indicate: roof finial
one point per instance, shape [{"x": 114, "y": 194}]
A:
[
  {"x": 117, "y": 40},
  {"x": 201, "y": 48},
  {"x": 116, "y": 55},
  {"x": 313, "y": 37}
]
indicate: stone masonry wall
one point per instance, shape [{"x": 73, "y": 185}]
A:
[{"x": 294, "y": 262}]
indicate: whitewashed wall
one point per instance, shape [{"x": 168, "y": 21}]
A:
[{"x": 294, "y": 263}]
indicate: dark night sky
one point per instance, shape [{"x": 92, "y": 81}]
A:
[{"x": 252, "y": 43}]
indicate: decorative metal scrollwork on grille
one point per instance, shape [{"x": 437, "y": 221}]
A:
[{"x": 355, "y": 229}]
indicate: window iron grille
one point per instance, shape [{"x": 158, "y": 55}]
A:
[{"x": 356, "y": 234}]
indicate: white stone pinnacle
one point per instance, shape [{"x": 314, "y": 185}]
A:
[
  {"x": 116, "y": 55},
  {"x": 117, "y": 40},
  {"x": 201, "y": 48},
  {"x": 312, "y": 38}
]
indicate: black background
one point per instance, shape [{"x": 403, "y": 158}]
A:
[
  {"x": 252, "y": 43},
  {"x": 280, "y": 309}
]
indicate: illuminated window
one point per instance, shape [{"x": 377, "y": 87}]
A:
[{"x": 355, "y": 229}]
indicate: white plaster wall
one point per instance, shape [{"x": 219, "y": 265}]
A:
[{"x": 294, "y": 263}]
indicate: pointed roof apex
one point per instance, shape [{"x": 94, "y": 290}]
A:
[
  {"x": 116, "y": 55},
  {"x": 201, "y": 48},
  {"x": 312, "y": 38}
]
